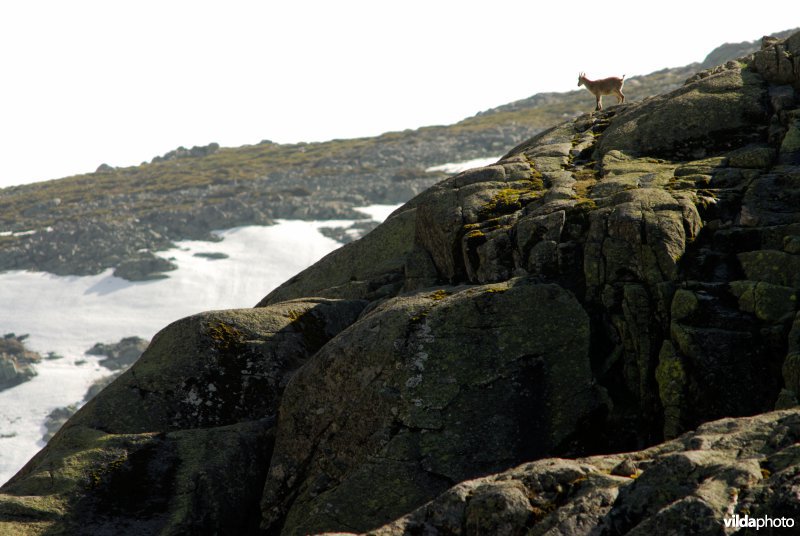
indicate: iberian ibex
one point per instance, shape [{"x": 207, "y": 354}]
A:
[{"x": 606, "y": 86}]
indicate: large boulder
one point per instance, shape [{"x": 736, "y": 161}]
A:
[
  {"x": 181, "y": 442},
  {"x": 418, "y": 407},
  {"x": 217, "y": 368},
  {"x": 713, "y": 113}
]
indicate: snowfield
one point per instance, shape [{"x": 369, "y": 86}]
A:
[{"x": 68, "y": 315}]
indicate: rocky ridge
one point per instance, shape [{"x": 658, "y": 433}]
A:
[{"x": 617, "y": 280}]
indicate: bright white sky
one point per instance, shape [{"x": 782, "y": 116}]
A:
[{"x": 86, "y": 82}]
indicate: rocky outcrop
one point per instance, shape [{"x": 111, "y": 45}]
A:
[
  {"x": 731, "y": 51},
  {"x": 727, "y": 468},
  {"x": 615, "y": 281},
  {"x": 93, "y": 247},
  {"x": 182, "y": 152},
  {"x": 119, "y": 355},
  {"x": 144, "y": 266},
  {"x": 16, "y": 361}
]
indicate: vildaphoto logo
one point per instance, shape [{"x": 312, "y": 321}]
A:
[{"x": 746, "y": 521}]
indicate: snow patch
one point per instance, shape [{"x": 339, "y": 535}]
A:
[
  {"x": 458, "y": 167},
  {"x": 378, "y": 212}
]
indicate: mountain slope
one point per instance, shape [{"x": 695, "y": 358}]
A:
[
  {"x": 612, "y": 282},
  {"x": 84, "y": 224}
]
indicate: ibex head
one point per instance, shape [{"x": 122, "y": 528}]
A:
[{"x": 581, "y": 79}]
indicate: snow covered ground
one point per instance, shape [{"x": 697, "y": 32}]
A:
[
  {"x": 68, "y": 315},
  {"x": 458, "y": 167}
]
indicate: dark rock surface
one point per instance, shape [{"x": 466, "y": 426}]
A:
[
  {"x": 415, "y": 410},
  {"x": 609, "y": 285},
  {"x": 212, "y": 256}
]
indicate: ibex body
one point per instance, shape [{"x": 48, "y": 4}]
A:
[{"x": 606, "y": 86}]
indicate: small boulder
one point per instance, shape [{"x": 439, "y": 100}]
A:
[
  {"x": 144, "y": 266},
  {"x": 16, "y": 361},
  {"x": 119, "y": 355}
]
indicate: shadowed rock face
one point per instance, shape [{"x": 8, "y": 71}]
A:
[
  {"x": 181, "y": 442},
  {"x": 684, "y": 486},
  {"x": 613, "y": 282}
]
